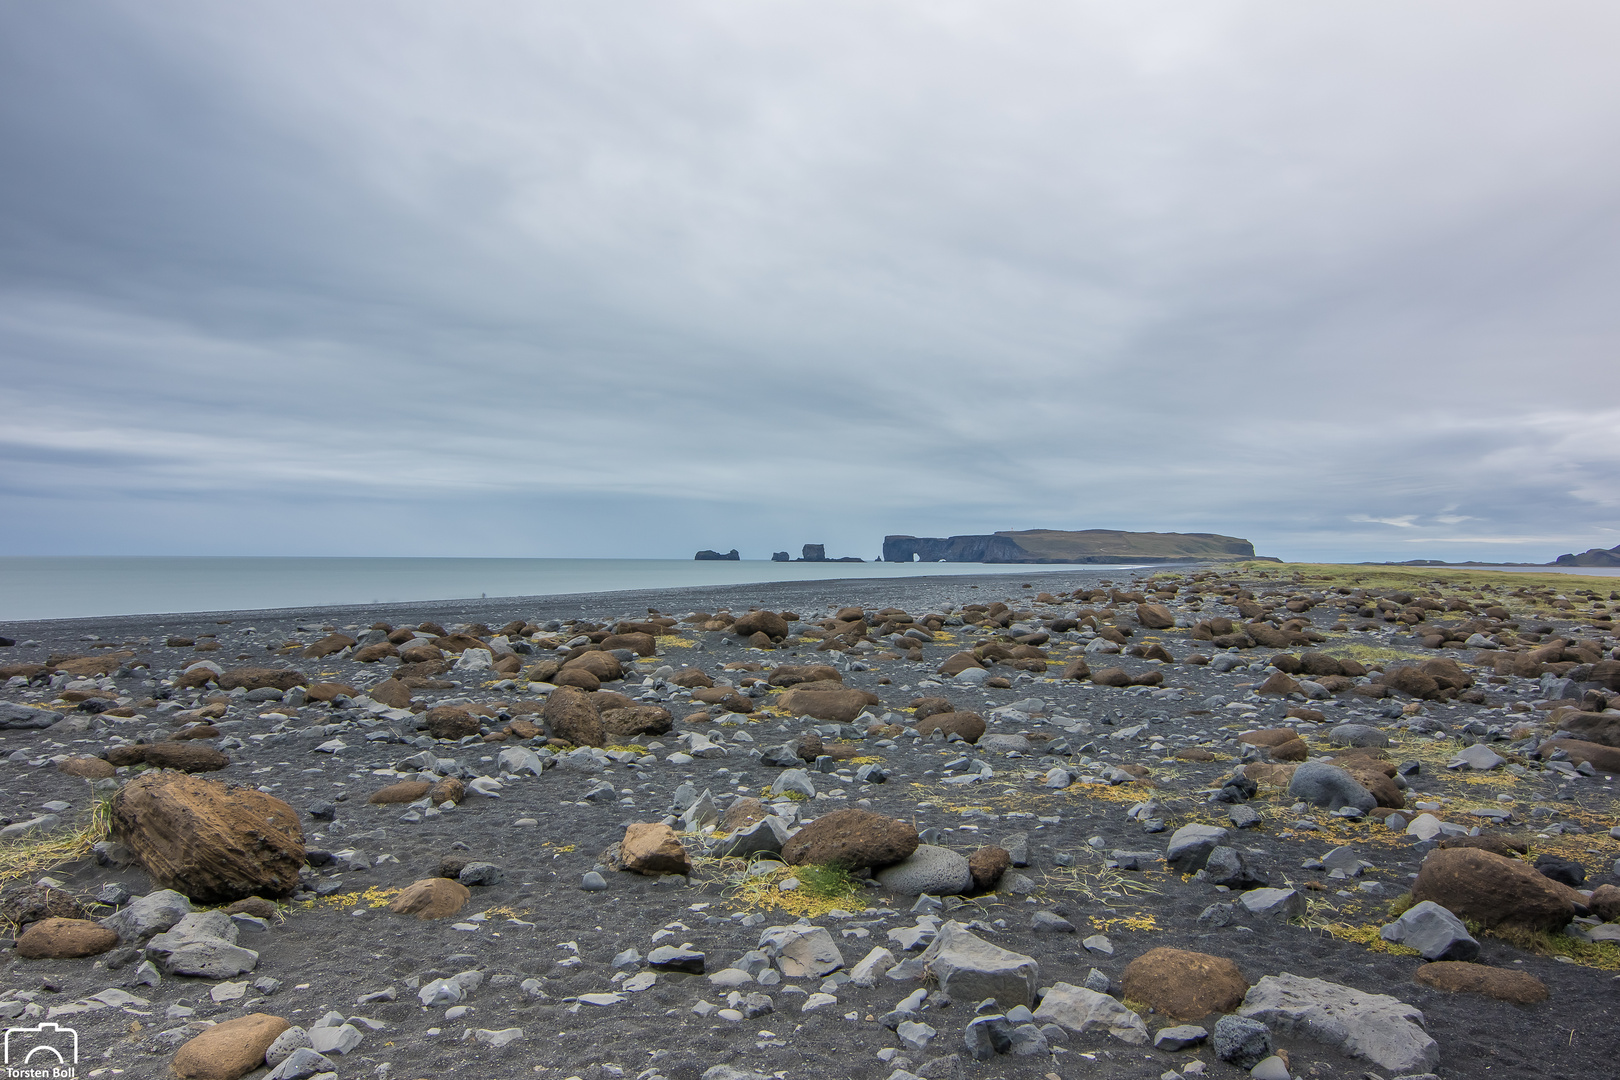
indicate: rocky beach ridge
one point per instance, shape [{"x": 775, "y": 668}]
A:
[{"x": 1220, "y": 822}]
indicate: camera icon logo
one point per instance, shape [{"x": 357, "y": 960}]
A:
[{"x": 43, "y": 1044}]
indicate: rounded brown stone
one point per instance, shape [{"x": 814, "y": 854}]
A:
[
  {"x": 256, "y": 906},
  {"x": 1519, "y": 987},
  {"x": 228, "y": 1050},
  {"x": 90, "y": 768},
  {"x": 987, "y": 865},
  {"x": 653, "y": 849},
  {"x": 63, "y": 939},
  {"x": 970, "y": 726},
  {"x": 448, "y": 789},
  {"x": 451, "y": 722},
  {"x": 403, "y": 792},
  {"x": 1605, "y": 903},
  {"x": 431, "y": 898},
  {"x": 851, "y": 838},
  {"x": 1474, "y": 884},
  {"x": 190, "y": 757},
  {"x": 1185, "y": 985}
]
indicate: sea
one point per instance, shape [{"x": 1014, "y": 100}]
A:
[{"x": 95, "y": 586}]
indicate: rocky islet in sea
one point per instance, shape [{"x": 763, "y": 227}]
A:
[{"x": 1206, "y": 823}]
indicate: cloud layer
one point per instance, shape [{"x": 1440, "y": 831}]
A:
[{"x": 502, "y": 279}]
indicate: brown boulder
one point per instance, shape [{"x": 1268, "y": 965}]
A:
[
  {"x": 742, "y": 813},
  {"x": 835, "y": 704},
  {"x": 579, "y": 678},
  {"x": 257, "y": 906},
  {"x": 1268, "y": 774},
  {"x": 1155, "y": 616},
  {"x": 1269, "y": 736},
  {"x": 451, "y": 722},
  {"x": 1597, "y": 727},
  {"x": 1184, "y": 985},
  {"x": 65, "y": 939},
  {"x": 189, "y": 757},
  {"x": 373, "y": 653},
  {"x": 958, "y": 663},
  {"x": 970, "y": 726},
  {"x": 213, "y": 843},
  {"x": 229, "y": 1050},
  {"x": 195, "y": 731},
  {"x": 447, "y": 789},
  {"x": 793, "y": 674},
  {"x": 653, "y": 849},
  {"x": 1456, "y": 977},
  {"x": 637, "y": 720},
  {"x": 640, "y": 644},
  {"x": 768, "y": 623},
  {"x": 1605, "y": 759},
  {"x": 36, "y": 902},
  {"x": 326, "y": 691},
  {"x": 456, "y": 643},
  {"x": 691, "y": 678},
  {"x": 1605, "y": 903},
  {"x": 851, "y": 838},
  {"x": 420, "y": 652},
  {"x": 1474, "y": 884},
  {"x": 571, "y": 715},
  {"x": 605, "y": 666},
  {"x": 1279, "y": 684},
  {"x": 1494, "y": 843},
  {"x": 90, "y": 768},
  {"x": 987, "y": 865},
  {"x": 391, "y": 692},
  {"x": 406, "y": 791},
  {"x": 1076, "y": 669},
  {"x": 431, "y": 898},
  {"x": 924, "y": 707},
  {"x": 258, "y": 678}
]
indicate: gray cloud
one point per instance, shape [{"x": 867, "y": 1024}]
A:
[{"x": 503, "y": 279}]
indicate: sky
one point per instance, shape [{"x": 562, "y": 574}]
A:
[{"x": 392, "y": 277}]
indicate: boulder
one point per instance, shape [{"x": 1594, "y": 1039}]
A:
[
  {"x": 1387, "y": 1032},
  {"x": 957, "y": 663},
  {"x": 147, "y": 915},
  {"x": 933, "y": 870},
  {"x": 1190, "y": 846},
  {"x": 852, "y": 838},
  {"x": 653, "y": 849},
  {"x": 1605, "y": 759},
  {"x": 431, "y": 898},
  {"x": 631, "y": 721},
  {"x": 1496, "y": 891},
  {"x": 768, "y": 623},
  {"x": 1155, "y": 616},
  {"x": 65, "y": 939},
  {"x": 187, "y": 757},
  {"x": 260, "y": 678},
  {"x": 924, "y": 707},
  {"x": 1184, "y": 985},
  {"x": 605, "y": 666},
  {"x": 211, "y": 842},
  {"x": 87, "y": 768},
  {"x": 1433, "y": 931},
  {"x": 450, "y": 722},
  {"x": 827, "y": 701},
  {"x": 801, "y": 950},
  {"x": 794, "y": 674},
  {"x": 987, "y": 865},
  {"x": 1457, "y": 977},
  {"x": 1329, "y": 787},
  {"x": 968, "y": 725},
  {"x": 572, "y": 717},
  {"x": 228, "y": 1050},
  {"x": 971, "y": 969},
  {"x": 1080, "y": 1010},
  {"x": 406, "y": 791}
]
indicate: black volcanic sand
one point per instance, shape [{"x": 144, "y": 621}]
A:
[{"x": 330, "y": 951}]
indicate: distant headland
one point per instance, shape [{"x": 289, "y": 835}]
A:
[{"x": 1058, "y": 546}]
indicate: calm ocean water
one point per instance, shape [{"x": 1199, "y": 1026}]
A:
[{"x": 88, "y": 586}]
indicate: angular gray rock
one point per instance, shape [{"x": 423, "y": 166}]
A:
[
  {"x": 147, "y": 915},
  {"x": 1080, "y": 1010},
  {"x": 933, "y": 870},
  {"x": 802, "y": 951},
  {"x": 764, "y": 837},
  {"x": 1381, "y": 1029},
  {"x": 971, "y": 969},
  {"x": 1282, "y": 903},
  {"x": 1358, "y": 735},
  {"x": 1190, "y": 846},
  {"x": 1242, "y": 1041},
  {"x": 1433, "y": 931}
]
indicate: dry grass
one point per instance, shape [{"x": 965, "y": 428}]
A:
[
  {"x": 37, "y": 855},
  {"x": 821, "y": 890}
]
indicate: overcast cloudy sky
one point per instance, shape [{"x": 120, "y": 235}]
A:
[{"x": 631, "y": 279}]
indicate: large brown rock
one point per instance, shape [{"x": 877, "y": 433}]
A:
[
  {"x": 1597, "y": 727},
  {"x": 1377, "y": 777},
  {"x": 1155, "y": 616},
  {"x": 1456, "y": 977},
  {"x": 851, "y": 838},
  {"x": 579, "y": 678},
  {"x": 572, "y": 717},
  {"x": 793, "y": 674},
  {"x": 1185, "y": 985},
  {"x": 691, "y": 678},
  {"x": 431, "y": 898},
  {"x": 1279, "y": 684},
  {"x": 451, "y": 722},
  {"x": 189, "y": 757},
  {"x": 327, "y": 691},
  {"x": 258, "y": 678},
  {"x": 211, "y": 842},
  {"x": 36, "y": 902},
  {"x": 653, "y": 849},
  {"x": 987, "y": 865},
  {"x": 406, "y": 791},
  {"x": 89, "y": 768},
  {"x": 633, "y": 720},
  {"x": 640, "y": 644},
  {"x": 1497, "y": 891},
  {"x": 373, "y": 653},
  {"x": 1605, "y": 903},
  {"x": 605, "y": 666},
  {"x": 229, "y": 1050},
  {"x": 970, "y": 726},
  {"x": 65, "y": 939},
  {"x": 924, "y": 707},
  {"x": 1605, "y": 759},
  {"x": 768, "y": 623},
  {"x": 957, "y": 663},
  {"x": 391, "y": 692},
  {"x": 827, "y": 701}
]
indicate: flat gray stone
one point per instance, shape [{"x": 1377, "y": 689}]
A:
[
  {"x": 1190, "y": 846},
  {"x": 971, "y": 969},
  {"x": 1079, "y": 1010},
  {"x": 1378, "y": 1028}
]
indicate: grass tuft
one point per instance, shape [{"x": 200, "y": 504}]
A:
[{"x": 28, "y": 856}]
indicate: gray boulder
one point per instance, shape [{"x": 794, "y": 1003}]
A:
[
  {"x": 802, "y": 951},
  {"x": 1433, "y": 931},
  {"x": 147, "y": 915},
  {"x": 1330, "y": 787},
  {"x": 1387, "y": 1032},
  {"x": 764, "y": 837},
  {"x": 1358, "y": 735},
  {"x": 1080, "y": 1010},
  {"x": 1241, "y": 1041},
  {"x": 1190, "y": 846},
  {"x": 13, "y": 715},
  {"x": 971, "y": 969},
  {"x": 1281, "y": 903},
  {"x": 933, "y": 870}
]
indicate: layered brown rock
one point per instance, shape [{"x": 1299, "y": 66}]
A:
[
  {"x": 1496, "y": 891},
  {"x": 653, "y": 849},
  {"x": 228, "y": 1050},
  {"x": 65, "y": 939},
  {"x": 851, "y": 838},
  {"x": 1456, "y": 977},
  {"x": 211, "y": 842},
  {"x": 1185, "y": 985},
  {"x": 571, "y": 715},
  {"x": 431, "y": 898}
]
